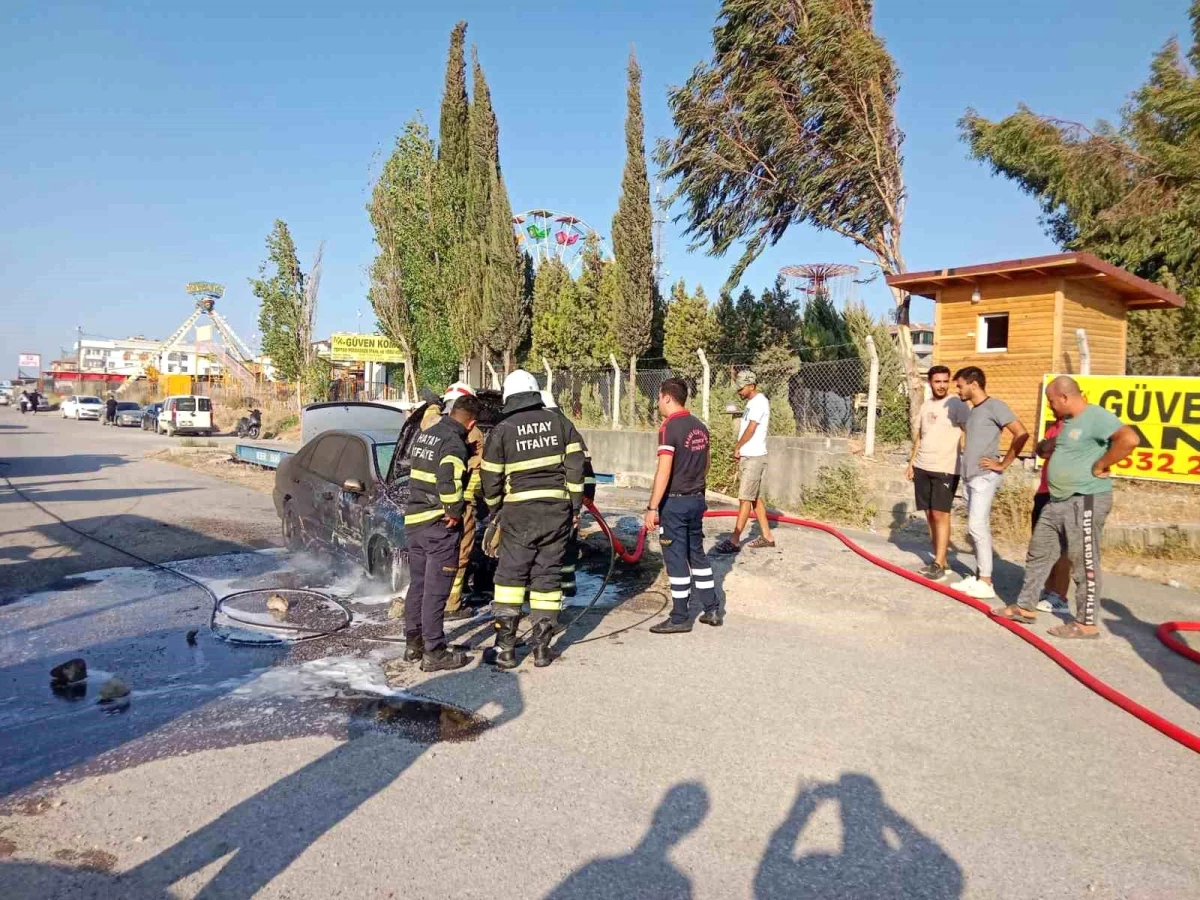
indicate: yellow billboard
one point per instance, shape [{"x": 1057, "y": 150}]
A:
[
  {"x": 1164, "y": 411},
  {"x": 349, "y": 347}
]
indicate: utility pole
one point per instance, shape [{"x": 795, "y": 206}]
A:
[{"x": 660, "y": 218}]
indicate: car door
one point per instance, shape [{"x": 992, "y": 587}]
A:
[
  {"x": 350, "y": 511},
  {"x": 323, "y": 486}
]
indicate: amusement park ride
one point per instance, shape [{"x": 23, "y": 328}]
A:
[
  {"x": 545, "y": 235},
  {"x": 835, "y": 281},
  {"x": 234, "y": 357}
]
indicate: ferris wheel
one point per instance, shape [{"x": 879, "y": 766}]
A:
[{"x": 545, "y": 234}]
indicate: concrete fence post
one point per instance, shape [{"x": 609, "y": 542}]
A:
[
  {"x": 706, "y": 375},
  {"x": 616, "y": 390},
  {"x": 549, "y": 375},
  {"x": 1085, "y": 352},
  {"x": 872, "y": 398}
]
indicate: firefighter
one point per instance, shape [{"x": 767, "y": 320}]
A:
[
  {"x": 571, "y": 556},
  {"x": 533, "y": 483},
  {"x": 433, "y": 527},
  {"x": 473, "y": 494}
]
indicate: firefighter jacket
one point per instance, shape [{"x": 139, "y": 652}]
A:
[
  {"x": 474, "y": 489},
  {"x": 533, "y": 453},
  {"x": 439, "y": 467}
]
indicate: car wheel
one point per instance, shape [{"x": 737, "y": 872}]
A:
[{"x": 379, "y": 561}]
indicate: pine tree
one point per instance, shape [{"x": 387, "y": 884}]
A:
[
  {"x": 632, "y": 238},
  {"x": 689, "y": 326}
]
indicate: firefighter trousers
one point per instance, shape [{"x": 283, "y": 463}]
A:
[
  {"x": 532, "y": 545},
  {"x": 570, "y": 564},
  {"x": 465, "y": 546},
  {"x": 433, "y": 560}
]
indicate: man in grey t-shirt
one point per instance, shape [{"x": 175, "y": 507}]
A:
[{"x": 982, "y": 471}]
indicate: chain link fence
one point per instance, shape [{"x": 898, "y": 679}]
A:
[{"x": 819, "y": 398}]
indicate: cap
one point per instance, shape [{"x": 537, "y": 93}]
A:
[
  {"x": 519, "y": 381},
  {"x": 744, "y": 378}
]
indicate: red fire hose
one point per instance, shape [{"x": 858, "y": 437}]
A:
[{"x": 1076, "y": 671}]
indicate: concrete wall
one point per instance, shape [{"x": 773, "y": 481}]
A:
[{"x": 794, "y": 462}]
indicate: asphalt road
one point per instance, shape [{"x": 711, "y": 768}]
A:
[{"x": 846, "y": 734}]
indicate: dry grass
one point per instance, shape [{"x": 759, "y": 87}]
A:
[{"x": 219, "y": 464}]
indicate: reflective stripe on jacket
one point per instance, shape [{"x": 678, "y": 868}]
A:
[
  {"x": 439, "y": 464},
  {"x": 534, "y": 453}
]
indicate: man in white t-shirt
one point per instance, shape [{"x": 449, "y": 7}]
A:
[
  {"x": 934, "y": 467},
  {"x": 751, "y": 454}
]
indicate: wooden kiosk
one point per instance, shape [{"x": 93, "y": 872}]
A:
[{"x": 1018, "y": 319}]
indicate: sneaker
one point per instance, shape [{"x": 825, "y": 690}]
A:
[
  {"x": 980, "y": 590},
  {"x": 933, "y": 572},
  {"x": 965, "y": 584},
  {"x": 1051, "y": 602}
]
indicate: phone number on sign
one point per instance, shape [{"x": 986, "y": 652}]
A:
[{"x": 1153, "y": 461}]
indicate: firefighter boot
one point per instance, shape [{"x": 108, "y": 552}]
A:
[
  {"x": 506, "y": 641},
  {"x": 543, "y": 632},
  {"x": 414, "y": 648}
]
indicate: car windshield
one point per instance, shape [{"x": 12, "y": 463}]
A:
[
  {"x": 90, "y": 401},
  {"x": 125, "y": 407},
  {"x": 383, "y": 457}
]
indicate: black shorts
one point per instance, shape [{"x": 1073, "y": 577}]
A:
[
  {"x": 1039, "y": 503},
  {"x": 935, "y": 490}
]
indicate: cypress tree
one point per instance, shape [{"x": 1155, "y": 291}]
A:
[
  {"x": 632, "y": 238},
  {"x": 547, "y": 289},
  {"x": 468, "y": 318},
  {"x": 453, "y": 137},
  {"x": 506, "y": 317}
]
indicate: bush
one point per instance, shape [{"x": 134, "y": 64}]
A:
[
  {"x": 591, "y": 408},
  {"x": 840, "y": 495}
]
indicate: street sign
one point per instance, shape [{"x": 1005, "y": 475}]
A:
[{"x": 29, "y": 361}]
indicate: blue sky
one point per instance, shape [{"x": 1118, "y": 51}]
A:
[{"x": 148, "y": 145}]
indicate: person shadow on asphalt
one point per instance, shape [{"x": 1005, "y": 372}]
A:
[
  {"x": 267, "y": 832},
  {"x": 883, "y": 854},
  {"x": 646, "y": 872}
]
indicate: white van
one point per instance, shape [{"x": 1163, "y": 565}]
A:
[{"x": 185, "y": 415}]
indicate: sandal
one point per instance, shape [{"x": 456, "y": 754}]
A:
[
  {"x": 1014, "y": 614},
  {"x": 1073, "y": 630},
  {"x": 727, "y": 546},
  {"x": 761, "y": 543}
]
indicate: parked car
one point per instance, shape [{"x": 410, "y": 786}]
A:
[
  {"x": 149, "y": 418},
  {"x": 128, "y": 413},
  {"x": 80, "y": 406},
  {"x": 185, "y": 415},
  {"x": 5, "y": 399},
  {"x": 332, "y": 494}
]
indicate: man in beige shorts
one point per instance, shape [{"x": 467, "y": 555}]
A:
[{"x": 751, "y": 454}]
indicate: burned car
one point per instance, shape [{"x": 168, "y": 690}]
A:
[{"x": 346, "y": 489}]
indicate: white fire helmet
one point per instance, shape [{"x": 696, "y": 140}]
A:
[
  {"x": 519, "y": 381},
  {"x": 548, "y": 400},
  {"x": 456, "y": 390}
]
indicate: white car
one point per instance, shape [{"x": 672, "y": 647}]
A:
[
  {"x": 5, "y": 400},
  {"x": 80, "y": 406}
]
